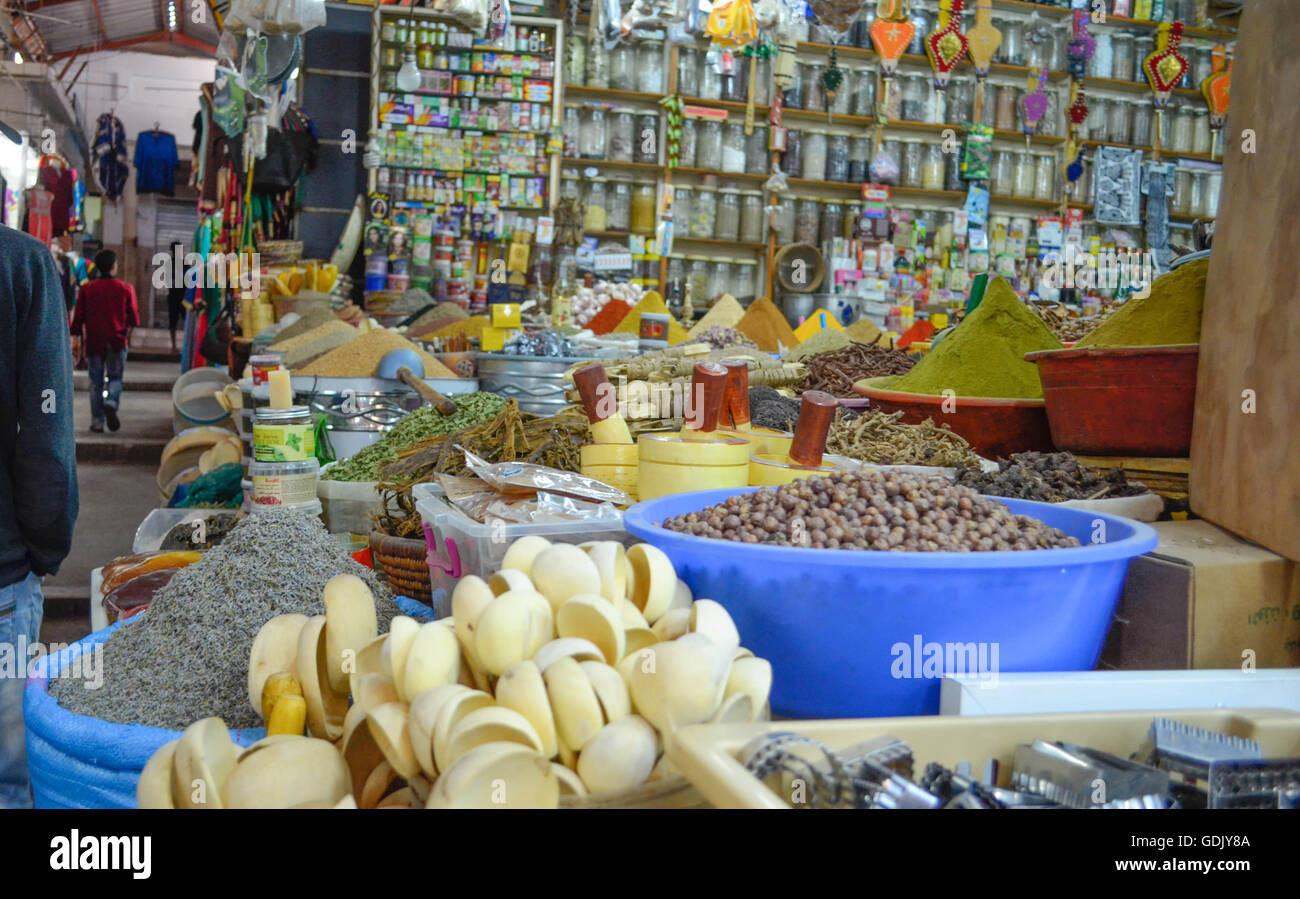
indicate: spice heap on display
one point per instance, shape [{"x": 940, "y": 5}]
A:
[
  {"x": 1049, "y": 478},
  {"x": 884, "y": 439},
  {"x": 725, "y": 313},
  {"x": 361, "y": 357},
  {"x": 1169, "y": 315},
  {"x": 836, "y": 372},
  {"x": 765, "y": 324},
  {"x": 187, "y": 657},
  {"x": 872, "y": 510}
]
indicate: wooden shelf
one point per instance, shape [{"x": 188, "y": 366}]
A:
[
  {"x": 612, "y": 164},
  {"x": 1137, "y": 87},
  {"x": 611, "y": 94},
  {"x": 717, "y": 242},
  {"x": 706, "y": 172},
  {"x": 1165, "y": 152}
]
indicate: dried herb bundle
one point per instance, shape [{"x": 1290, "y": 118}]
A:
[{"x": 885, "y": 440}]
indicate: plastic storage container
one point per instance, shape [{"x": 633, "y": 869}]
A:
[
  {"x": 834, "y": 647},
  {"x": 459, "y": 545}
]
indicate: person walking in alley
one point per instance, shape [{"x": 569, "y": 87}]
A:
[
  {"x": 38, "y": 474},
  {"x": 105, "y": 314}
]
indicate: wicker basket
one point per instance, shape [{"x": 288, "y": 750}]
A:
[{"x": 404, "y": 562}]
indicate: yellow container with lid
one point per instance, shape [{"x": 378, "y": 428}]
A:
[
  {"x": 773, "y": 470},
  {"x": 806, "y": 457},
  {"x": 699, "y": 457},
  {"x": 614, "y": 464}
]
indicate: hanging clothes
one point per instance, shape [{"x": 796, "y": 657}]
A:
[
  {"x": 110, "y": 150},
  {"x": 39, "y": 222},
  {"x": 155, "y": 163},
  {"x": 55, "y": 175}
]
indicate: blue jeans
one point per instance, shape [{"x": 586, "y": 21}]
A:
[
  {"x": 21, "y": 608},
  {"x": 111, "y": 364}
]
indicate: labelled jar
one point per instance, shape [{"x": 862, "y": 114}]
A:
[
  {"x": 284, "y": 435},
  {"x": 708, "y": 145},
  {"x": 646, "y": 147},
  {"x": 752, "y": 217},
  {"x": 814, "y": 155},
  {"x": 284, "y": 485}
]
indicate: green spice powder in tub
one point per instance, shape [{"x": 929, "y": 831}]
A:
[
  {"x": 1169, "y": 315},
  {"x": 984, "y": 356}
]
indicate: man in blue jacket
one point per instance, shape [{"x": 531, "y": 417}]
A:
[{"x": 38, "y": 474}]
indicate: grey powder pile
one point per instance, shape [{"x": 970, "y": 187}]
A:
[
  {"x": 187, "y": 657},
  {"x": 770, "y": 409}
]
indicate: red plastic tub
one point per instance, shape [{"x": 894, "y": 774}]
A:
[
  {"x": 1120, "y": 401},
  {"x": 992, "y": 426}
]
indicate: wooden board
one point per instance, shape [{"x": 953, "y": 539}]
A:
[
  {"x": 1246, "y": 466},
  {"x": 1166, "y": 476}
]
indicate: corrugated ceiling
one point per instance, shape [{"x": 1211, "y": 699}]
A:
[{"x": 76, "y": 26}]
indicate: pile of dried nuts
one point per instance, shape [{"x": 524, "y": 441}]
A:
[{"x": 876, "y": 510}]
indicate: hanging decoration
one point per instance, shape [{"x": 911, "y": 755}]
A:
[
  {"x": 1215, "y": 90},
  {"x": 946, "y": 45},
  {"x": 762, "y": 48},
  {"x": 1157, "y": 177},
  {"x": 1081, "y": 46},
  {"x": 982, "y": 42},
  {"x": 1117, "y": 186},
  {"x": 832, "y": 79},
  {"x": 1164, "y": 68},
  {"x": 1033, "y": 105},
  {"x": 672, "y": 105},
  {"x": 891, "y": 32}
]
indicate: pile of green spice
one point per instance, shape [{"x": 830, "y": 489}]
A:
[
  {"x": 984, "y": 356},
  {"x": 187, "y": 657},
  {"x": 423, "y": 423},
  {"x": 1170, "y": 314}
]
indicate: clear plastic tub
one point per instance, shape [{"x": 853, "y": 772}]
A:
[{"x": 459, "y": 546}]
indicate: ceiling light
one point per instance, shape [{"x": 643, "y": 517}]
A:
[{"x": 171, "y": 15}]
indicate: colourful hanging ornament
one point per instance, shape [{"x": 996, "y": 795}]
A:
[
  {"x": 982, "y": 42},
  {"x": 1215, "y": 90},
  {"x": 731, "y": 23},
  {"x": 1164, "y": 68},
  {"x": 1078, "y": 108},
  {"x": 832, "y": 79},
  {"x": 672, "y": 105},
  {"x": 1033, "y": 105},
  {"x": 946, "y": 45},
  {"x": 1081, "y": 46},
  {"x": 1073, "y": 160},
  {"x": 891, "y": 32}
]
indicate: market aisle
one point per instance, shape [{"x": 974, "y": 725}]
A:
[{"x": 116, "y": 482}]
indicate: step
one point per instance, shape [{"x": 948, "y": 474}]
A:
[
  {"x": 108, "y": 447},
  {"x": 138, "y": 383},
  {"x": 70, "y": 601}
]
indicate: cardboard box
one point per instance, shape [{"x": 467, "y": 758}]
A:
[{"x": 1205, "y": 598}]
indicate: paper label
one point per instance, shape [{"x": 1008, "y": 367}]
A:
[{"x": 284, "y": 443}]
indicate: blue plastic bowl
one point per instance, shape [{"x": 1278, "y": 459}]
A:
[{"x": 849, "y": 633}]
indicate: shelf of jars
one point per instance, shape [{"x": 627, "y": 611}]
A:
[
  {"x": 1166, "y": 153},
  {"x": 611, "y": 94},
  {"x": 1140, "y": 88},
  {"x": 578, "y": 162}
]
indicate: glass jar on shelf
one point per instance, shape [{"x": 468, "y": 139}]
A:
[
  {"x": 643, "y": 207},
  {"x": 744, "y": 274},
  {"x": 924, "y": 22},
  {"x": 807, "y": 219},
  {"x": 784, "y": 220},
  {"x": 1196, "y": 197},
  {"x": 1142, "y": 124},
  {"x": 591, "y": 133},
  {"x": 727, "y": 226},
  {"x": 1213, "y": 183},
  {"x": 912, "y": 103},
  {"x": 570, "y": 187},
  {"x": 650, "y": 67},
  {"x": 1008, "y": 113},
  {"x": 934, "y": 103},
  {"x": 910, "y": 170},
  {"x": 1121, "y": 55},
  {"x": 753, "y": 217},
  {"x": 1181, "y": 132},
  {"x": 708, "y": 145},
  {"x": 687, "y": 143},
  {"x": 952, "y": 179},
  {"x": 596, "y": 215},
  {"x": 1178, "y": 203},
  {"x": 831, "y": 221},
  {"x": 1012, "y": 48},
  {"x": 697, "y": 276},
  {"x": 733, "y": 147},
  {"x": 842, "y": 104},
  {"x": 932, "y": 167},
  {"x": 575, "y": 60},
  {"x": 1200, "y": 64},
  {"x": 597, "y": 65},
  {"x": 859, "y": 160},
  {"x": 1119, "y": 122},
  {"x": 710, "y": 79},
  {"x": 622, "y": 134},
  {"x": 1098, "y": 118},
  {"x": 1045, "y": 177},
  {"x": 961, "y": 99},
  {"x": 1023, "y": 186},
  {"x": 792, "y": 96},
  {"x": 704, "y": 212},
  {"x": 892, "y": 150},
  {"x": 719, "y": 278},
  {"x": 863, "y": 83},
  {"x": 792, "y": 158},
  {"x": 1143, "y": 46},
  {"x": 622, "y": 66},
  {"x": 814, "y": 155},
  {"x": 645, "y": 148},
  {"x": 757, "y": 157},
  {"x": 571, "y": 129},
  {"x": 735, "y": 83},
  {"x": 1102, "y": 63},
  {"x": 762, "y": 81},
  {"x": 618, "y": 206},
  {"x": 1078, "y": 190},
  {"x": 688, "y": 72},
  {"x": 682, "y": 210},
  {"x": 1201, "y": 131},
  {"x": 813, "y": 97}
]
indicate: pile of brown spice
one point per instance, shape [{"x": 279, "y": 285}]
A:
[{"x": 835, "y": 372}]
